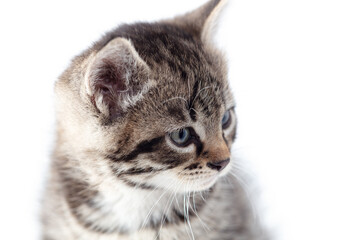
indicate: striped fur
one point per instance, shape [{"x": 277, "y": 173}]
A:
[{"x": 116, "y": 172}]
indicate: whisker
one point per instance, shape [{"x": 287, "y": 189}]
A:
[
  {"x": 187, "y": 214},
  {"x": 247, "y": 194},
  {"x": 152, "y": 208},
  {"x": 205, "y": 227},
  {"x": 168, "y": 205}
]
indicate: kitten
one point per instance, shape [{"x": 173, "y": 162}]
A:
[{"x": 145, "y": 123}]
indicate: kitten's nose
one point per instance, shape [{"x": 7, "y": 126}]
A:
[{"x": 220, "y": 165}]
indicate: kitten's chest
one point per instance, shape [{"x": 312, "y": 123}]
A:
[
  {"x": 132, "y": 210},
  {"x": 156, "y": 215}
]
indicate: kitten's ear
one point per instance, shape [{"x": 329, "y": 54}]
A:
[
  {"x": 116, "y": 78},
  {"x": 202, "y": 21}
]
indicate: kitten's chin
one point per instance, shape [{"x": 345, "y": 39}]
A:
[
  {"x": 204, "y": 184},
  {"x": 197, "y": 184},
  {"x": 184, "y": 184}
]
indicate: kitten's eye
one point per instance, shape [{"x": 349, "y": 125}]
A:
[
  {"x": 226, "y": 120},
  {"x": 180, "y": 137}
]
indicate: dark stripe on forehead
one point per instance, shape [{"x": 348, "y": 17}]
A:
[
  {"x": 205, "y": 108},
  {"x": 192, "y": 114},
  {"x": 177, "y": 113},
  {"x": 192, "y": 99},
  {"x": 146, "y": 146}
]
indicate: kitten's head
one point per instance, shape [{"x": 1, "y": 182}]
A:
[{"x": 150, "y": 105}]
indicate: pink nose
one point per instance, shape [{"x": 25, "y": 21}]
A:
[{"x": 220, "y": 165}]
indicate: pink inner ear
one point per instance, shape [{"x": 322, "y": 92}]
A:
[
  {"x": 110, "y": 78},
  {"x": 110, "y": 82}
]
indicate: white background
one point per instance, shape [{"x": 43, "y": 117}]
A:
[{"x": 295, "y": 71}]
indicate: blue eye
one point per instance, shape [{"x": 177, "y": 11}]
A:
[
  {"x": 180, "y": 137},
  {"x": 226, "y": 120}
]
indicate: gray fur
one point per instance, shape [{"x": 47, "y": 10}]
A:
[{"x": 115, "y": 173}]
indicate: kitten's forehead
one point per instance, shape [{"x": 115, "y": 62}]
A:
[
  {"x": 190, "y": 76},
  {"x": 184, "y": 68}
]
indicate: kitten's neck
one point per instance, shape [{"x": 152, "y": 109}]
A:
[
  {"x": 133, "y": 209},
  {"x": 116, "y": 207}
]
